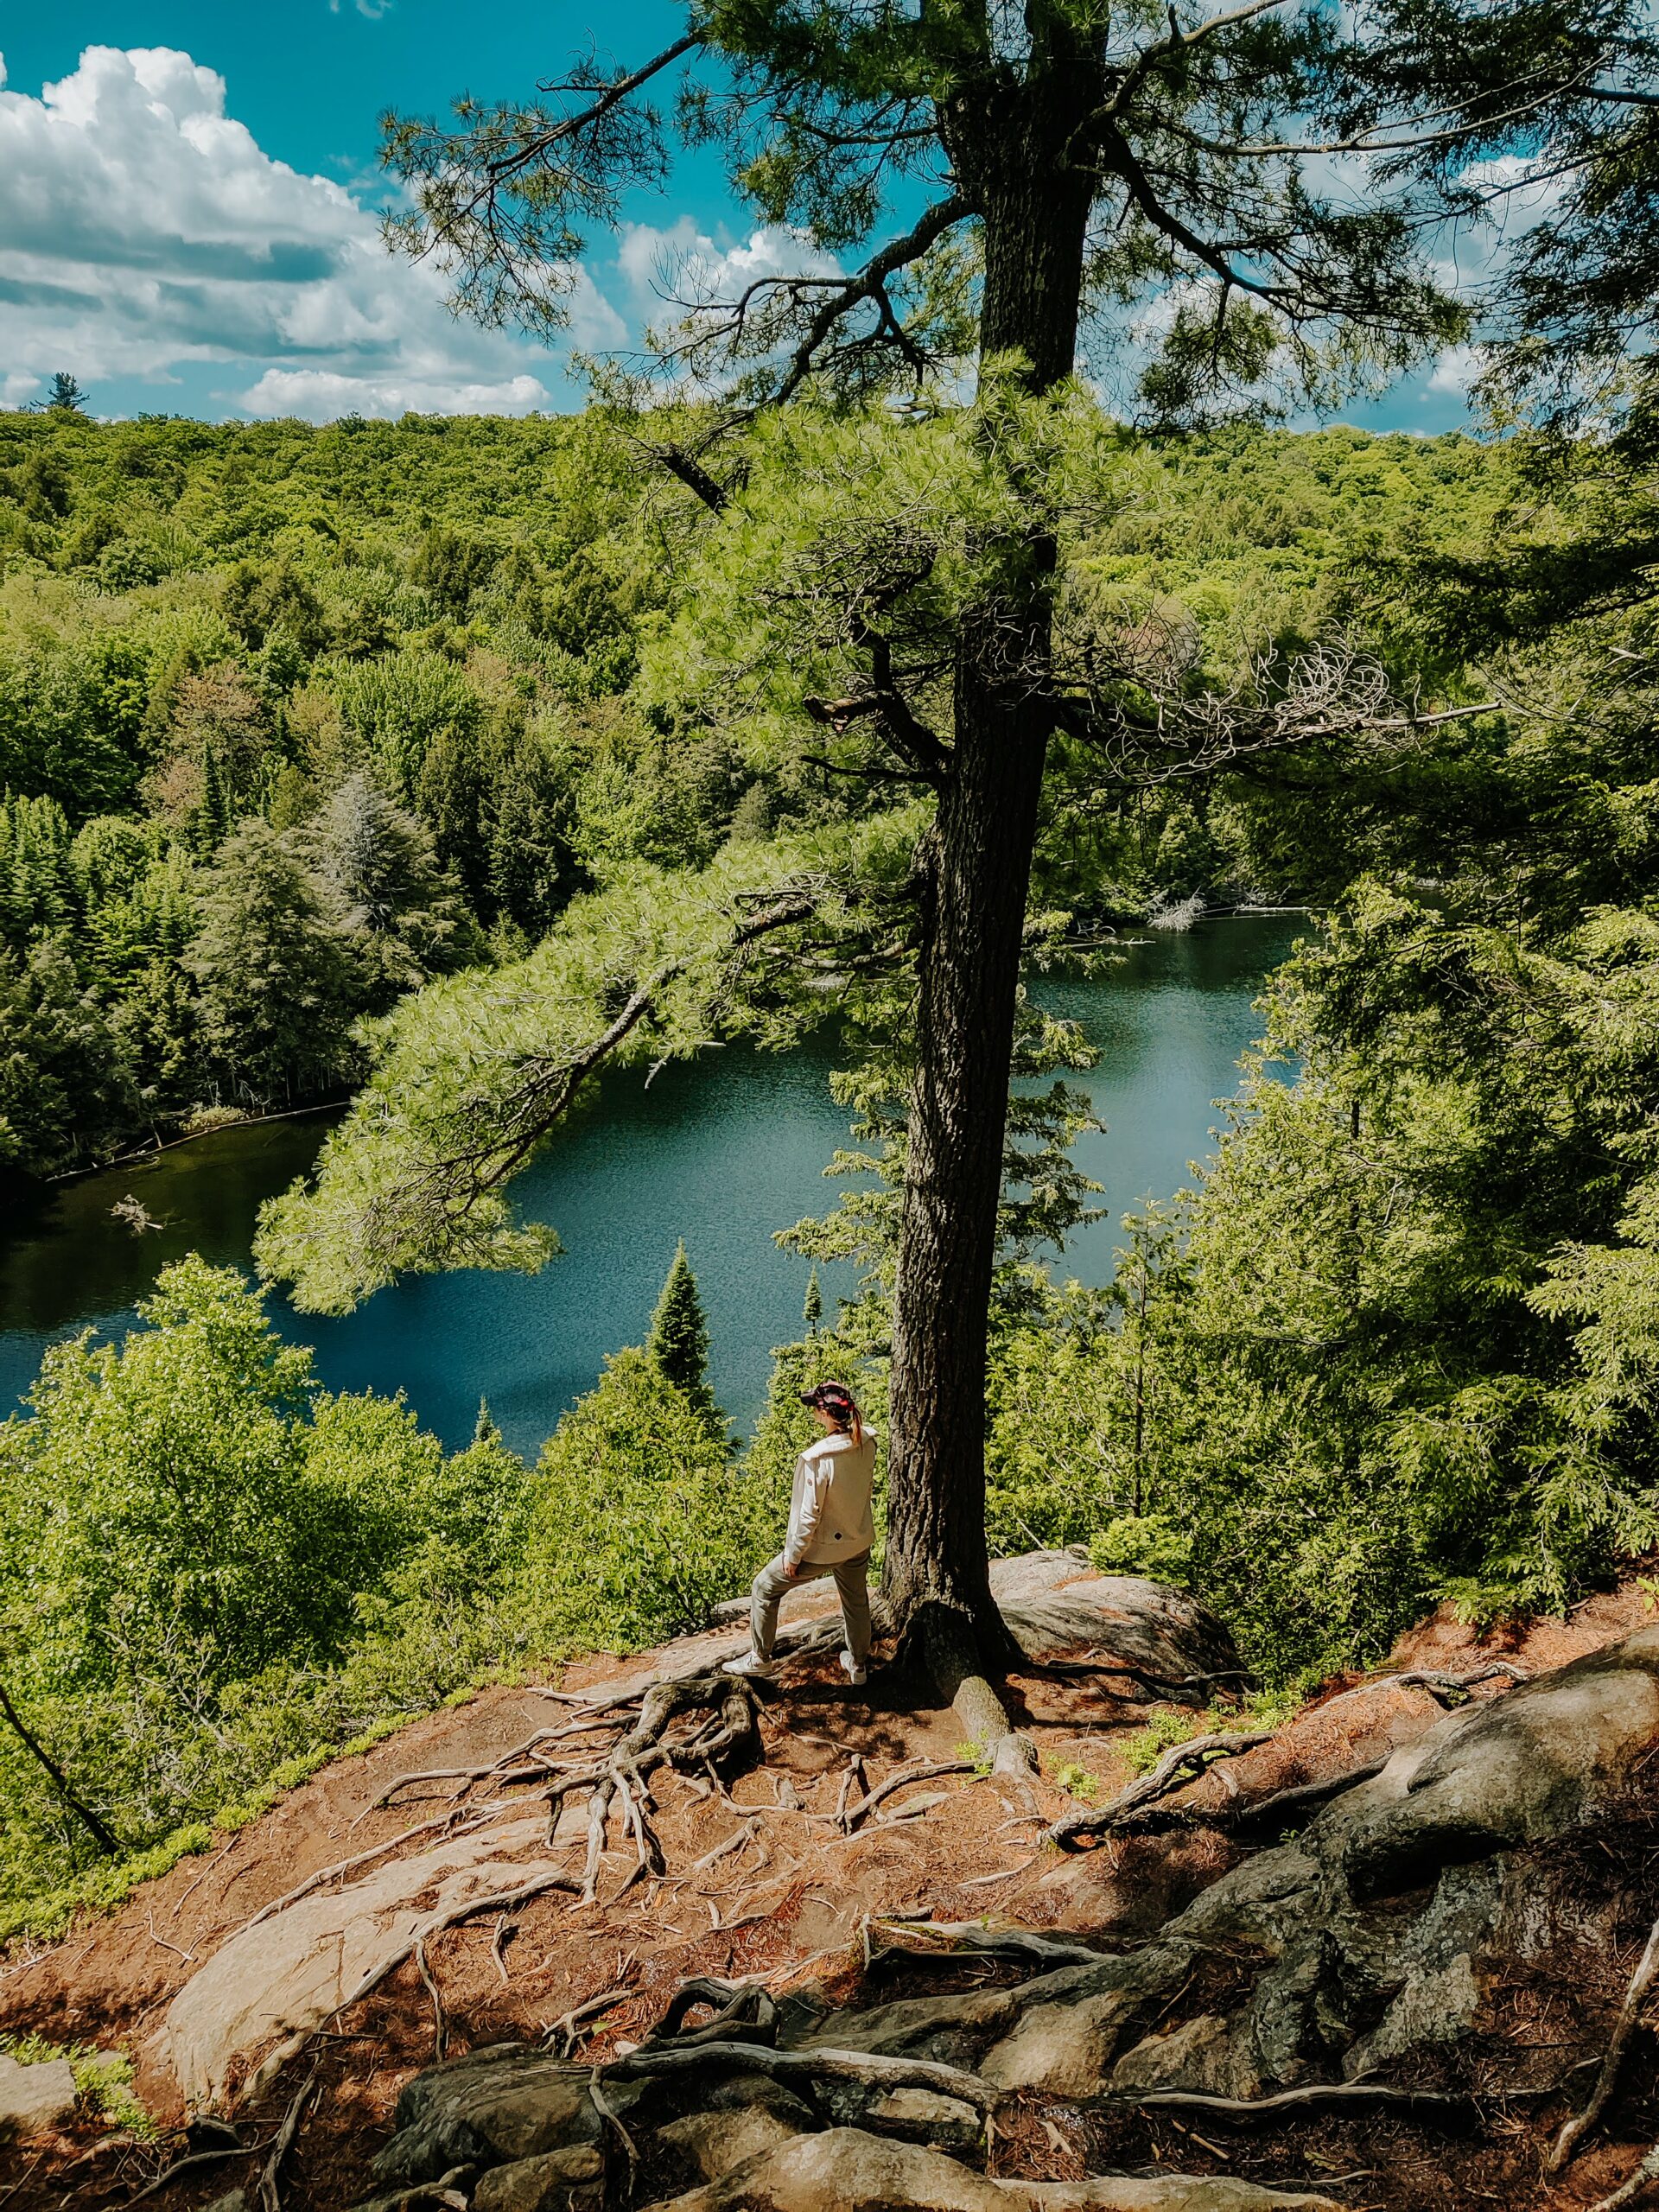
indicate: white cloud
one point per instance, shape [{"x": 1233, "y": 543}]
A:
[
  {"x": 320, "y": 396},
  {"x": 141, "y": 229},
  {"x": 684, "y": 265},
  {"x": 1456, "y": 370}
]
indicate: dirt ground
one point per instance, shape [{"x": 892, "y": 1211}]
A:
[{"x": 791, "y": 1903}]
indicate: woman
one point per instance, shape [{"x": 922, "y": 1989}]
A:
[{"x": 831, "y": 1532}]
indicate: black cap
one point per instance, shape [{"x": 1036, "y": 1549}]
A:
[{"x": 830, "y": 1397}]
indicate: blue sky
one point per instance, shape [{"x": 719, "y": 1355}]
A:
[{"x": 186, "y": 221}]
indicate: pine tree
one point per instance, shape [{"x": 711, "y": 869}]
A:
[
  {"x": 485, "y": 1430},
  {"x": 66, "y": 397},
  {"x": 812, "y": 1311},
  {"x": 678, "y": 1342}
]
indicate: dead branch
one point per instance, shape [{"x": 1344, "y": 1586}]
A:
[
  {"x": 924, "y": 1770},
  {"x": 1180, "y": 1765},
  {"x": 1623, "y": 2027},
  {"x": 269, "y": 2190},
  {"x": 1628, "y": 2191},
  {"x": 567, "y": 2027},
  {"x": 873, "y": 2069},
  {"x": 505, "y": 1929}
]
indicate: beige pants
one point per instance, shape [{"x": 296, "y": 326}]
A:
[{"x": 852, "y": 1584}]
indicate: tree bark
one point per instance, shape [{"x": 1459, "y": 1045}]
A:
[{"x": 976, "y": 867}]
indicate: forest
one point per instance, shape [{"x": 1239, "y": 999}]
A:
[
  {"x": 281, "y": 753},
  {"x": 435, "y": 765}
]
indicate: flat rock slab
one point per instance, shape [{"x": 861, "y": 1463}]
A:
[
  {"x": 288, "y": 1974},
  {"x": 1056, "y": 1603},
  {"x": 856, "y": 2172},
  {"x": 34, "y": 2098}
]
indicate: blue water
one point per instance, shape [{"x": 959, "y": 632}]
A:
[{"x": 723, "y": 1152}]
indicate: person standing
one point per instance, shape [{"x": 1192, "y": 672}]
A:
[{"x": 831, "y": 1532}]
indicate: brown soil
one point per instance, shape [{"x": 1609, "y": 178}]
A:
[{"x": 792, "y": 1907}]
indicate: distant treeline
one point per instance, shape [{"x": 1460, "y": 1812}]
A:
[{"x": 293, "y": 720}]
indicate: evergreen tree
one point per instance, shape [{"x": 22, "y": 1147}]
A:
[
  {"x": 66, "y": 396},
  {"x": 1070, "y": 159},
  {"x": 400, "y": 912},
  {"x": 272, "y": 968},
  {"x": 678, "y": 1342},
  {"x": 812, "y": 1310}
]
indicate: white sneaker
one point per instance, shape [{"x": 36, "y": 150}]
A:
[
  {"x": 854, "y": 1674},
  {"x": 748, "y": 1664}
]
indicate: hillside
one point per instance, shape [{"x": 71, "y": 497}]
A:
[{"x": 216, "y": 1978}]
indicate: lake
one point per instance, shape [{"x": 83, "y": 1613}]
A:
[{"x": 721, "y": 1152}]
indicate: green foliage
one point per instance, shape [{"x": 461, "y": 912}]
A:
[
  {"x": 1169, "y": 1726},
  {"x": 678, "y": 1341},
  {"x": 1146, "y": 1543},
  {"x": 213, "y": 1578},
  {"x": 638, "y": 1522}
]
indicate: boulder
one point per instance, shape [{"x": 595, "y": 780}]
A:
[
  {"x": 717, "y": 2141},
  {"x": 922, "y": 2116},
  {"x": 854, "y": 2171},
  {"x": 285, "y": 1977},
  {"x": 495, "y": 2106},
  {"x": 1056, "y": 1604},
  {"x": 1377, "y": 1934},
  {"x": 34, "y": 2098},
  {"x": 558, "y": 2181}
]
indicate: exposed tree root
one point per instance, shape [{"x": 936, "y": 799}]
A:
[
  {"x": 1628, "y": 2191},
  {"x": 269, "y": 2193},
  {"x": 975, "y": 1937},
  {"x": 1623, "y": 2027},
  {"x": 921, "y": 1770},
  {"x": 567, "y": 2031},
  {"x": 1179, "y": 1766},
  {"x": 453, "y": 1822},
  {"x": 1172, "y": 1688},
  {"x": 1306, "y": 2096},
  {"x": 440, "y": 2025},
  {"x": 1440, "y": 1685},
  {"x": 194, "y": 2162},
  {"x": 874, "y": 2070}
]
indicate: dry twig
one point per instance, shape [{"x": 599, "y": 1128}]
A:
[
  {"x": 1623, "y": 2027},
  {"x": 1180, "y": 1764}
]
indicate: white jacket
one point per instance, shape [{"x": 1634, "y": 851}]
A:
[{"x": 830, "y": 1504}]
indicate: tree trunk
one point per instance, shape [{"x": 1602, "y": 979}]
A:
[{"x": 978, "y": 865}]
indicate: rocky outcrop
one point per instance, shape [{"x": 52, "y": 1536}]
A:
[
  {"x": 283, "y": 1976},
  {"x": 1362, "y": 1958},
  {"x": 34, "y": 2099},
  {"x": 858, "y": 2172}
]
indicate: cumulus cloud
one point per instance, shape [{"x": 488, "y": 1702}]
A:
[
  {"x": 321, "y": 396},
  {"x": 142, "y": 228},
  {"x": 1456, "y": 370},
  {"x": 685, "y": 266}
]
